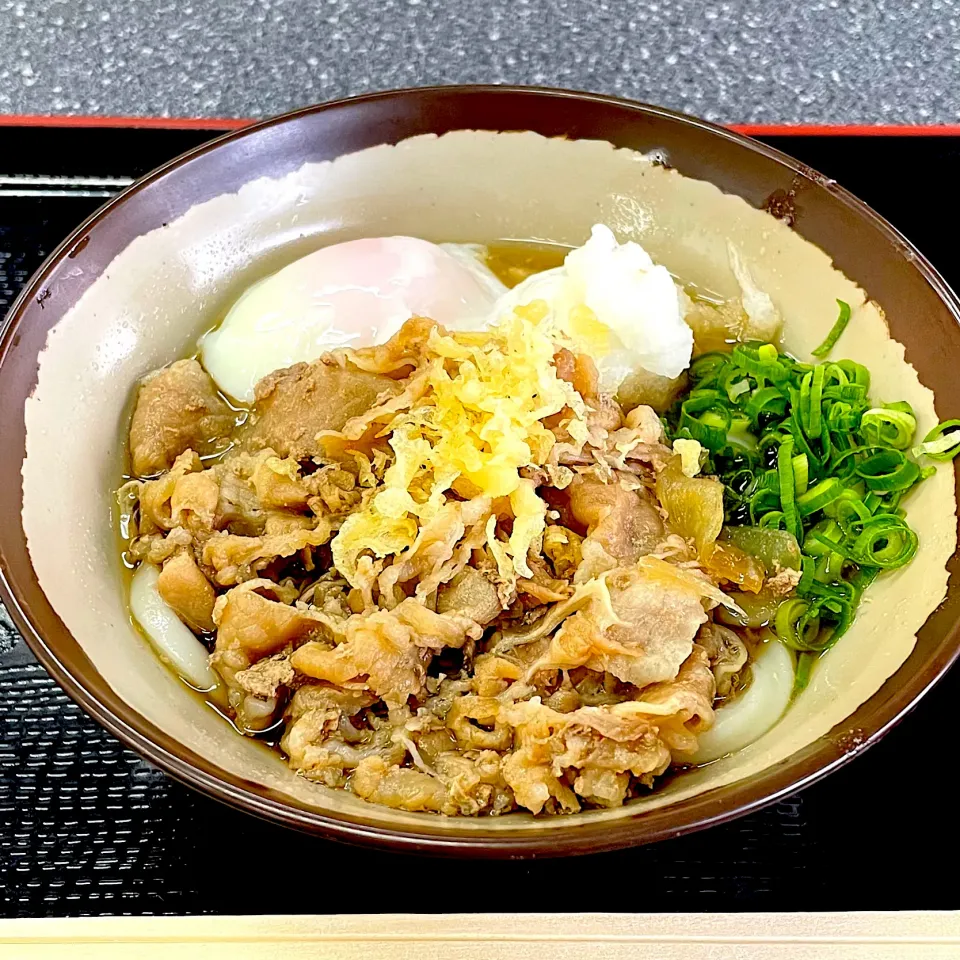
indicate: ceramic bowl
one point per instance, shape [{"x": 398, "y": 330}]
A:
[{"x": 133, "y": 287}]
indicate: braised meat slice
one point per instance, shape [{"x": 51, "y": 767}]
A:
[
  {"x": 292, "y": 406},
  {"x": 178, "y": 409}
]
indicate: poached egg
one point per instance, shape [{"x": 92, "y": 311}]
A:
[
  {"x": 608, "y": 300},
  {"x": 615, "y": 305},
  {"x": 353, "y": 294}
]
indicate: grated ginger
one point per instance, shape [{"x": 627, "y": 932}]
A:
[{"x": 480, "y": 420}]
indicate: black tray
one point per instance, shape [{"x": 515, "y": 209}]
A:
[{"x": 86, "y": 827}]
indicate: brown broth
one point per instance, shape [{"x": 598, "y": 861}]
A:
[{"x": 515, "y": 260}]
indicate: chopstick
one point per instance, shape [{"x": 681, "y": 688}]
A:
[{"x": 878, "y": 936}]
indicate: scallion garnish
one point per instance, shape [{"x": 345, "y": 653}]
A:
[
  {"x": 834, "y": 335},
  {"x": 942, "y": 442},
  {"x": 800, "y": 449}
]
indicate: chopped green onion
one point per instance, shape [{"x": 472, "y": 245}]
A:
[
  {"x": 800, "y": 439},
  {"x": 805, "y": 663},
  {"x": 773, "y": 520},
  {"x": 890, "y": 425},
  {"x": 805, "y": 457},
  {"x": 765, "y": 402},
  {"x": 819, "y": 496},
  {"x": 811, "y": 400},
  {"x": 849, "y": 510},
  {"x": 797, "y": 624},
  {"x": 760, "y": 365},
  {"x": 835, "y": 331},
  {"x": 801, "y": 473},
  {"x": 707, "y": 419},
  {"x": 942, "y": 442},
  {"x": 886, "y": 542},
  {"x": 705, "y": 369},
  {"x": 830, "y": 566},
  {"x": 791, "y": 518},
  {"x": 856, "y": 373},
  {"x": 737, "y": 388},
  {"x": 823, "y": 538},
  {"x": 888, "y": 470}
]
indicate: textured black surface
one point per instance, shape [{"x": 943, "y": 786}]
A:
[{"x": 86, "y": 827}]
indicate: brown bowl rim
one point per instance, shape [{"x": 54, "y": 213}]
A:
[{"x": 708, "y": 809}]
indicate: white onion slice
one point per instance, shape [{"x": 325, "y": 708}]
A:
[
  {"x": 756, "y": 710},
  {"x": 173, "y": 640}
]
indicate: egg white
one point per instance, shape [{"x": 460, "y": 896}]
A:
[
  {"x": 352, "y": 294},
  {"x": 634, "y": 307}
]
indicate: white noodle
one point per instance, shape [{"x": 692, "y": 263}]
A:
[
  {"x": 173, "y": 640},
  {"x": 756, "y": 710}
]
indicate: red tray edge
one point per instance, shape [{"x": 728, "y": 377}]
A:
[{"x": 234, "y": 123}]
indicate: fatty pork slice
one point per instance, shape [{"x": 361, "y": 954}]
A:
[
  {"x": 622, "y": 525},
  {"x": 599, "y": 749},
  {"x": 252, "y": 627},
  {"x": 294, "y": 405},
  {"x": 184, "y": 587},
  {"x": 235, "y": 559},
  {"x": 177, "y": 409},
  {"x": 321, "y": 740},
  {"x": 641, "y": 631},
  {"x": 254, "y": 636},
  {"x": 389, "y": 648},
  {"x": 463, "y": 786}
]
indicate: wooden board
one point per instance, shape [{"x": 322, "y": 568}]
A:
[{"x": 835, "y": 936}]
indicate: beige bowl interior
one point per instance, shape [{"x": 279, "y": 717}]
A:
[{"x": 169, "y": 285}]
